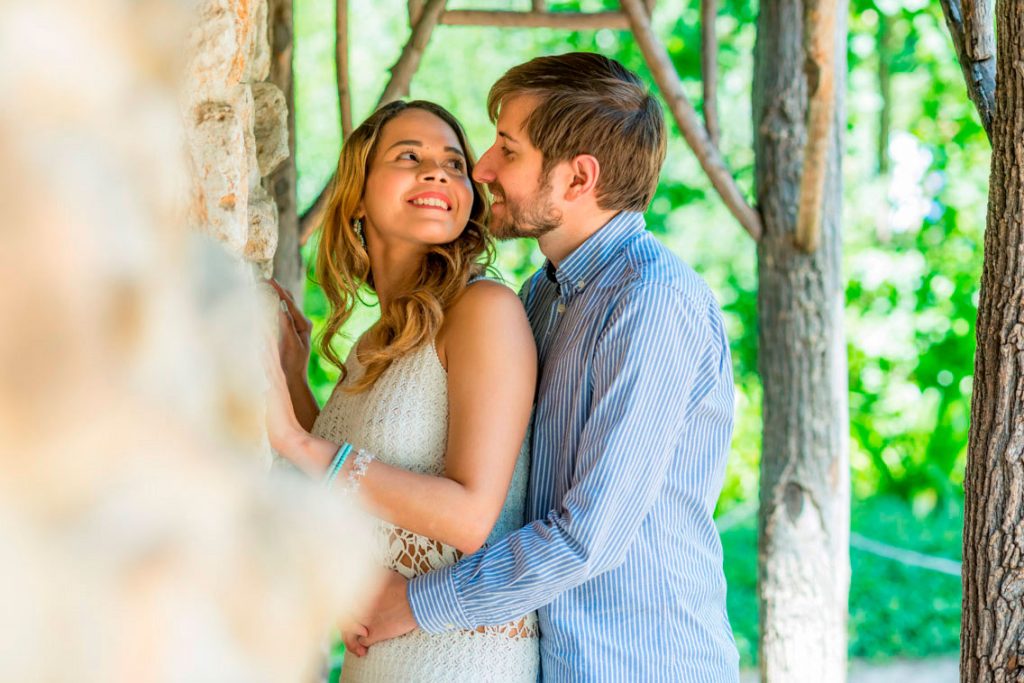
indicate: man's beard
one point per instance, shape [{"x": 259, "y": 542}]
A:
[{"x": 532, "y": 217}]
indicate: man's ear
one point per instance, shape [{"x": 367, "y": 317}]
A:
[{"x": 585, "y": 170}]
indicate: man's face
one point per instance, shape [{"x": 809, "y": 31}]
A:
[{"x": 512, "y": 170}]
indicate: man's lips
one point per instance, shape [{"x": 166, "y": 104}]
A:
[{"x": 431, "y": 200}]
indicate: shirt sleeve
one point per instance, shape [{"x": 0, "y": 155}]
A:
[{"x": 643, "y": 377}]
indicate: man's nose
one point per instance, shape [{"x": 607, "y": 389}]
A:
[{"x": 483, "y": 172}]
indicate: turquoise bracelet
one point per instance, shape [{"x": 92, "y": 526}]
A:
[{"x": 337, "y": 463}]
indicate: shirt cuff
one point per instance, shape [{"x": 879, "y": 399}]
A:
[{"x": 434, "y": 602}]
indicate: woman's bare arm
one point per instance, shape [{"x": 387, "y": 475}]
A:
[{"x": 491, "y": 360}]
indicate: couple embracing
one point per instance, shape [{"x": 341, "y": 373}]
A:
[{"x": 544, "y": 467}]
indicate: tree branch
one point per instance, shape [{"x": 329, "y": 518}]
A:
[
  {"x": 686, "y": 117},
  {"x": 409, "y": 61},
  {"x": 415, "y": 12},
  {"x": 341, "y": 64},
  {"x": 709, "y": 67},
  {"x": 820, "y": 41},
  {"x": 401, "y": 75},
  {"x": 972, "y": 29},
  {"x": 569, "y": 21}
]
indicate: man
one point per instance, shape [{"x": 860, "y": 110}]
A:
[{"x": 634, "y": 408}]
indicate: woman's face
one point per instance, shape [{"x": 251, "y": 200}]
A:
[{"x": 418, "y": 189}]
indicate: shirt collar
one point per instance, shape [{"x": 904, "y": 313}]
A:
[{"x": 588, "y": 259}]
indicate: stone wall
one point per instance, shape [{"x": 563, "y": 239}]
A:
[
  {"x": 140, "y": 540},
  {"x": 237, "y": 128}
]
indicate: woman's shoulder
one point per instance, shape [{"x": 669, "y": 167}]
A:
[
  {"x": 485, "y": 300},
  {"x": 487, "y": 311}
]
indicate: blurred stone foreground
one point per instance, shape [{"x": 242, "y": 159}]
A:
[{"x": 141, "y": 537}]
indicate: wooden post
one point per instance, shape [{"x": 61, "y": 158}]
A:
[
  {"x": 288, "y": 266},
  {"x": 405, "y": 68},
  {"x": 820, "y": 38},
  {"x": 686, "y": 117}
]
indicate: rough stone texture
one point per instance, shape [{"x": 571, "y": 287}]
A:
[
  {"x": 140, "y": 539},
  {"x": 271, "y": 127},
  {"x": 237, "y": 128}
]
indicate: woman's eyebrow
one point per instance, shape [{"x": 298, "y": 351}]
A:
[{"x": 417, "y": 143}]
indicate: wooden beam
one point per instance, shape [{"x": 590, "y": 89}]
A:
[
  {"x": 820, "y": 39},
  {"x": 693, "y": 131},
  {"x": 401, "y": 75},
  {"x": 409, "y": 61},
  {"x": 569, "y": 21}
]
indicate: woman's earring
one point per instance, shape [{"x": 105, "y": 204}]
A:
[{"x": 357, "y": 225}]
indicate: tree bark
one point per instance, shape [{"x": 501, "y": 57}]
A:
[
  {"x": 288, "y": 267},
  {"x": 993, "y": 570},
  {"x": 970, "y": 26},
  {"x": 803, "y": 555}
]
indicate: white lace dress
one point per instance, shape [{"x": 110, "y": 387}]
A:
[{"x": 403, "y": 421}]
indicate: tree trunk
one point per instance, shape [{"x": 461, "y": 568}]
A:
[
  {"x": 993, "y": 568},
  {"x": 803, "y": 556},
  {"x": 288, "y": 267}
]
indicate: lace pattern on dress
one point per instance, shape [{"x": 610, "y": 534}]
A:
[{"x": 403, "y": 421}]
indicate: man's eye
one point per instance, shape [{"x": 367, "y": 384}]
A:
[{"x": 505, "y": 151}]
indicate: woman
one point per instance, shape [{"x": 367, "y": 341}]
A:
[{"x": 427, "y": 424}]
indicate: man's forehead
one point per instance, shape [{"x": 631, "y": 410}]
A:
[{"x": 513, "y": 114}]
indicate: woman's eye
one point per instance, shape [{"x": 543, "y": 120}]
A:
[
  {"x": 457, "y": 165},
  {"x": 408, "y": 156}
]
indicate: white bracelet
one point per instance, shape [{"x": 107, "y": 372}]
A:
[{"x": 355, "y": 475}]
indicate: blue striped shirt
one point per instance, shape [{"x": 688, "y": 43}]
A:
[{"x": 634, "y": 413}]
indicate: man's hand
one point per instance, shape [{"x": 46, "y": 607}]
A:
[{"x": 392, "y": 615}]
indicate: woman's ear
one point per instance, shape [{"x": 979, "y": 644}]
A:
[{"x": 585, "y": 170}]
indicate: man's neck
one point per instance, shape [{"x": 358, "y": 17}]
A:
[{"x": 558, "y": 244}]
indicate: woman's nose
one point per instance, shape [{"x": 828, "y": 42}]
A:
[{"x": 432, "y": 170}]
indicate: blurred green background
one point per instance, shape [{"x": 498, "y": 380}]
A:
[{"x": 915, "y": 176}]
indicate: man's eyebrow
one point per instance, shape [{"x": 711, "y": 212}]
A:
[
  {"x": 507, "y": 137},
  {"x": 417, "y": 143}
]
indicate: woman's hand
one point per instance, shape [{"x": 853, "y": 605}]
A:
[
  {"x": 283, "y": 427},
  {"x": 293, "y": 351},
  {"x": 293, "y": 332}
]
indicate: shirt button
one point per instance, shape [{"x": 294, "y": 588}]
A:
[
  {"x": 580, "y": 284},
  {"x": 449, "y": 625},
  {"x": 561, "y": 308}
]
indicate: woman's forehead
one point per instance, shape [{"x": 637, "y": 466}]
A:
[{"x": 420, "y": 126}]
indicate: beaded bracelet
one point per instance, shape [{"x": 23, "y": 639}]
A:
[
  {"x": 337, "y": 463},
  {"x": 358, "y": 471}
]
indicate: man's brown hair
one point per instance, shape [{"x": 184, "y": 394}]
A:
[{"x": 590, "y": 104}]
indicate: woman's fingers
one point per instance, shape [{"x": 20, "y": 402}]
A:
[{"x": 301, "y": 323}]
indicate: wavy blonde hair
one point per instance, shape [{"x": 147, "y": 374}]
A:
[{"x": 343, "y": 266}]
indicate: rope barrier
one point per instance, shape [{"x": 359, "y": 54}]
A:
[{"x": 741, "y": 513}]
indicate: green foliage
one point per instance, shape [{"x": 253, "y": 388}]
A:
[
  {"x": 912, "y": 256},
  {"x": 896, "y": 610}
]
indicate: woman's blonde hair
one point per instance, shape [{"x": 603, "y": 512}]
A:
[{"x": 343, "y": 266}]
